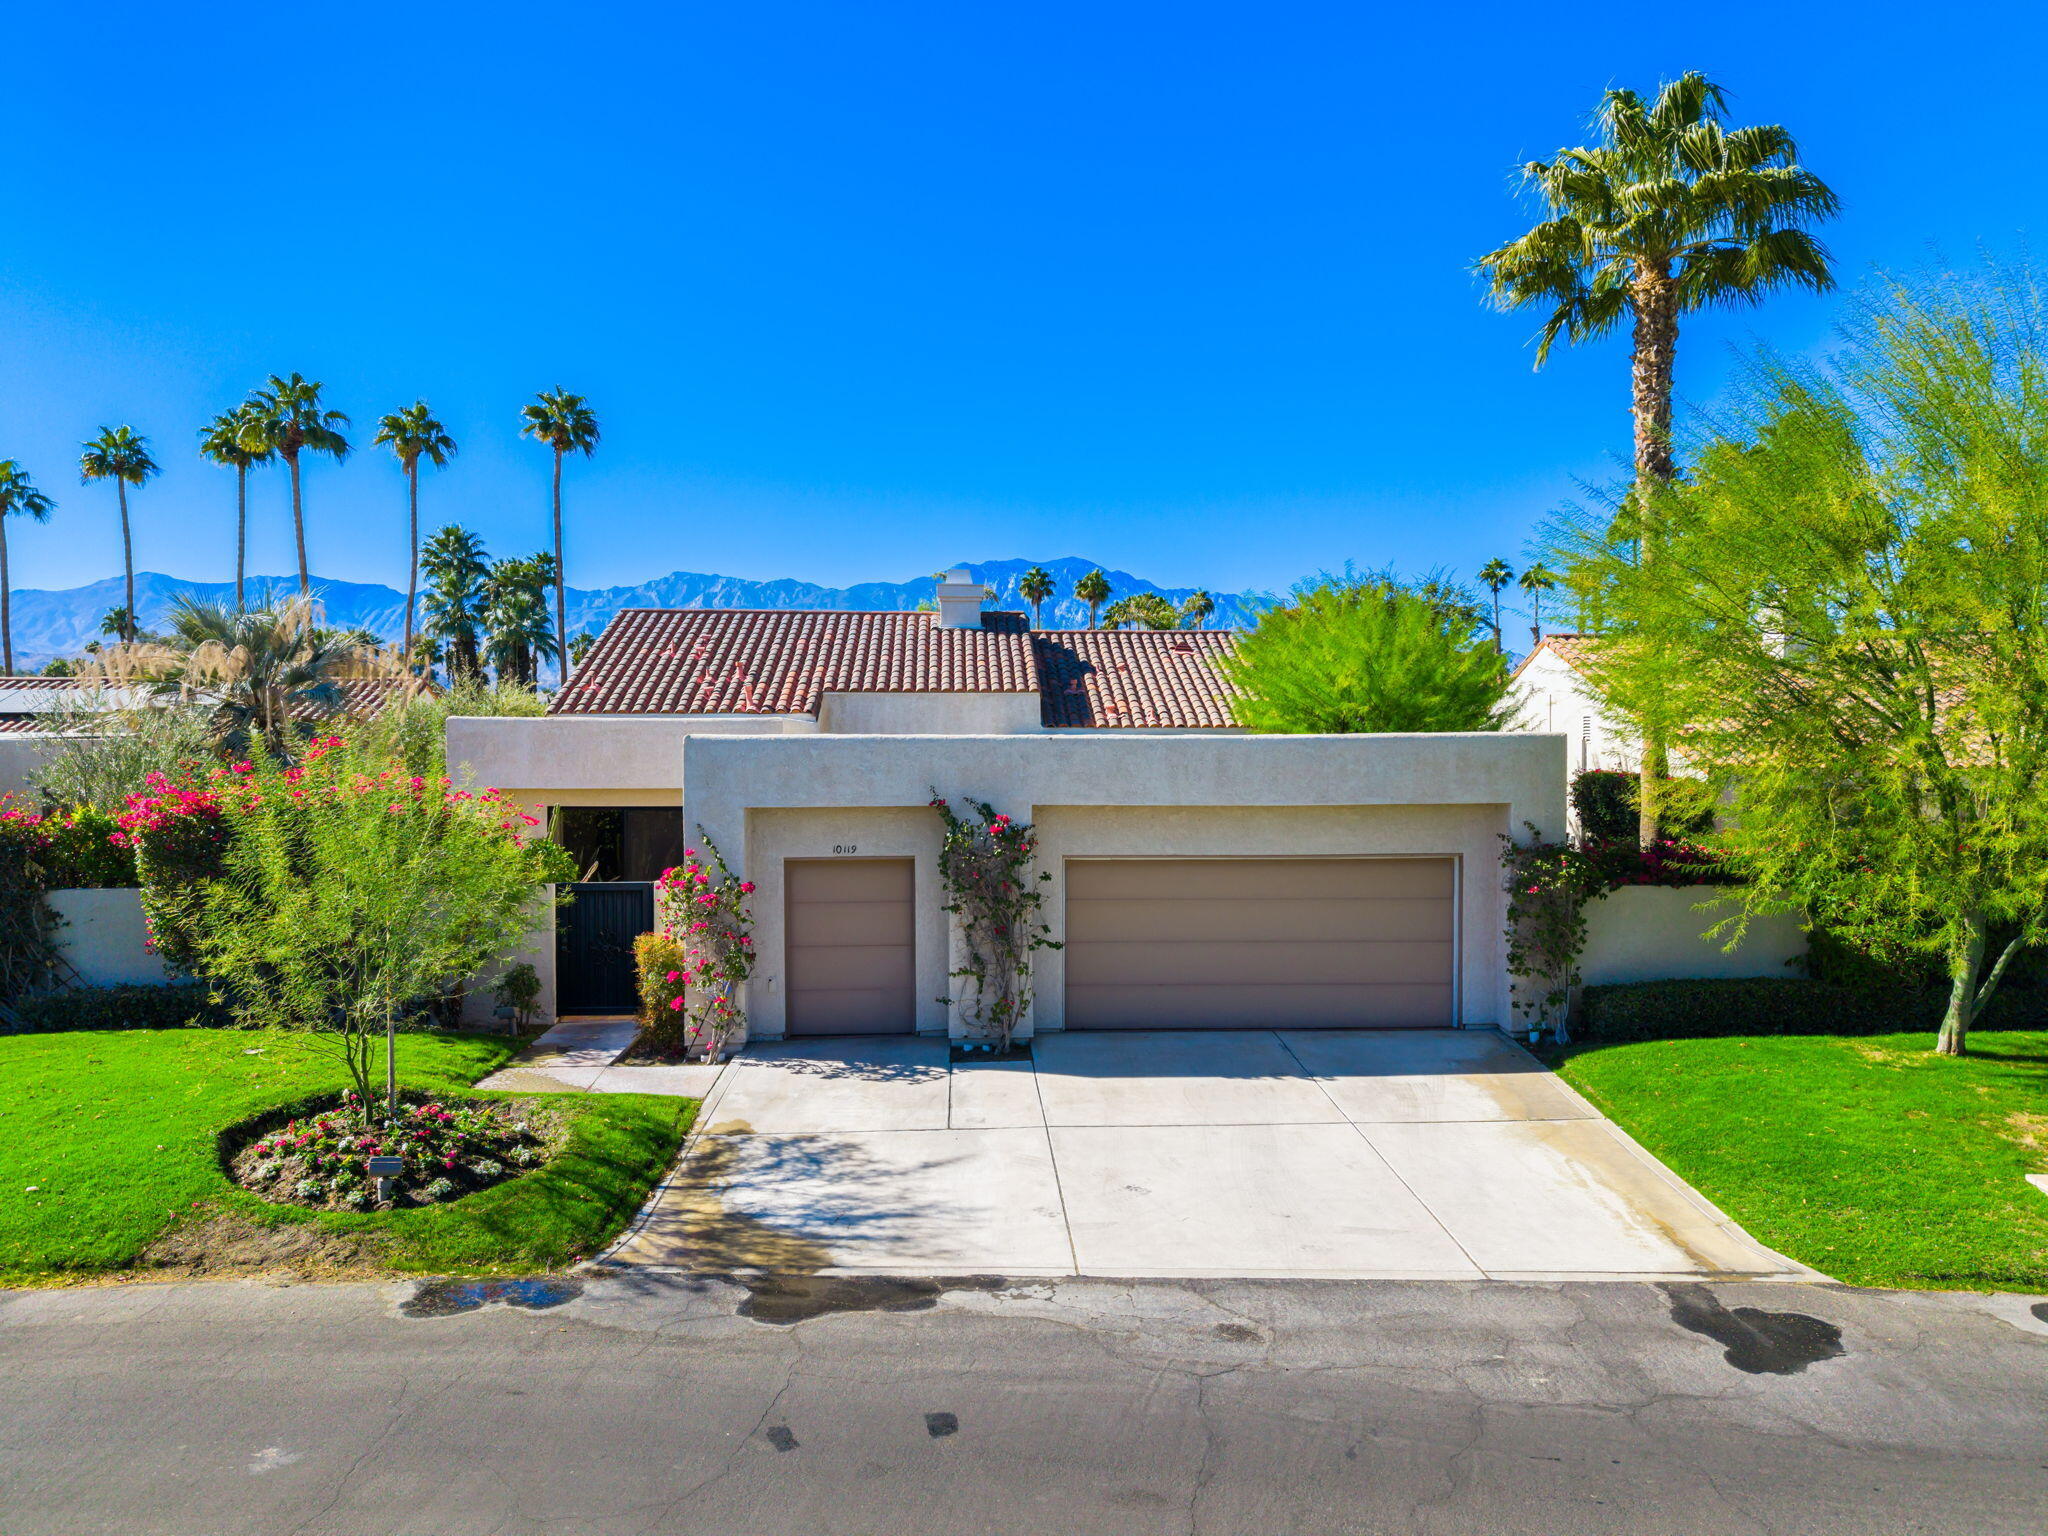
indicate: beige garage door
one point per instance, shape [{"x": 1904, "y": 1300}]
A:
[
  {"x": 1259, "y": 943},
  {"x": 847, "y": 932}
]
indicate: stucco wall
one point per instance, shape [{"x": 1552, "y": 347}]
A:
[
  {"x": 19, "y": 757},
  {"x": 765, "y": 800},
  {"x": 1657, "y": 933},
  {"x": 931, "y": 714},
  {"x": 104, "y": 938},
  {"x": 1549, "y": 695}
]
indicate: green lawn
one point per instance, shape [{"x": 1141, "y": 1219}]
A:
[
  {"x": 107, "y": 1143},
  {"x": 1869, "y": 1158}
]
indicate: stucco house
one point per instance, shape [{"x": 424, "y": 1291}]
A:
[
  {"x": 1201, "y": 876},
  {"x": 1549, "y": 693}
]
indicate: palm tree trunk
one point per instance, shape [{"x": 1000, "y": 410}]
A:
[
  {"x": 127, "y": 558},
  {"x": 1654, "y": 298},
  {"x": 1499, "y": 644},
  {"x": 412, "y": 581},
  {"x": 6, "y": 603},
  {"x": 561, "y": 622},
  {"x": 241, "y": 529},
  {"x": 299, "y": 525}
]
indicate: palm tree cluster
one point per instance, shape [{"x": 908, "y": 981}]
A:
[
  {"x": 286, "y": 421},
  {"x": 482, "y": 612}
]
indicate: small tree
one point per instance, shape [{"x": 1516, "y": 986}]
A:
[
  {"x": 1365, "y": 654},
  {"x": 347, "y": 898},
  {"x": 1848, "y": 623}
]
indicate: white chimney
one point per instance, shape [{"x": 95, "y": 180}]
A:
[{"x": 960, "y": 597}]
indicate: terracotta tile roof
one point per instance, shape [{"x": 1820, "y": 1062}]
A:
[
  {"x": 694, "y": 661},
  {"x": 364, "y": 696},
  {"x": 1572, "y": 650},
  {"x": 1135, "y": 678}
]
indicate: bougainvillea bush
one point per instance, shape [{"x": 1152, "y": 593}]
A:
[
  {"x": 692, "y": 968},
  {"x": 985, "y": 865},
  {"x": 321, "y": 1158},
  {"x": 336, "y": 894}
]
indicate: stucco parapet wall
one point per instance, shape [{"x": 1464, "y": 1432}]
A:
[
  {"x": 592, "y": 751},
  {"x": 1524, "y": 773}
]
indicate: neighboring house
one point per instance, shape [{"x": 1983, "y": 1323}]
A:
[
  {"x": 1200, "y": 875},
  {"x": 1551, "y": 695}
]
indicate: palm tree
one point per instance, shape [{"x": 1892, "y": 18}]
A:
[
  {"x": 413, "y": 434},
  {"x": 120, "y": 454},
  {"x": 233, "y": 440},
  {"x": 456, "y": 569},
  {"x": 518, "y": 636},
  {"x": 18, "y": 495},
  {"x": 1669, "y": 213},
  {"x": 1197, "y": 609},
  {"x": 1496, "y": 573},
  {"x": 1148, "y": 610},
  {"x": 1536, "y": 581},
  {"x": 1093, "y": 589},
  {"x": 1036, "y": 587},
  {"x": 288, "y": 420},
  {"x": 566, "y": 423}
]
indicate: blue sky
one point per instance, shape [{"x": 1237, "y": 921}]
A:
[{"x": 858, "y": 290}]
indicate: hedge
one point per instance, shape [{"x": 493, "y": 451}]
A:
[
  {"x": 1773, "y": 1005},
  {"x": 125, "y": 1007}
]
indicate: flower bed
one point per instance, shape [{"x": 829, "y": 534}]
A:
[{"x": 318, "y": 1158}]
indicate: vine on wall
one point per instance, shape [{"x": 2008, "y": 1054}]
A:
[
  {"x": 985, "y": 865},
  {"x": 703, "y": 908}
]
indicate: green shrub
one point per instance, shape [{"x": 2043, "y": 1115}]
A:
[
  {"x": 662, "y": 1025},
  {"x": 1604, "y": 800},
  {"x": 126, "y": 1007},
  {"x": 1775, "y": 1005}
]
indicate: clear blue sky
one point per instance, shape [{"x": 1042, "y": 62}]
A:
[{"x": 858, "y": 289}]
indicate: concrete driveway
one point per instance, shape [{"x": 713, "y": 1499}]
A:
[{"x": 1441, "y": 1154}]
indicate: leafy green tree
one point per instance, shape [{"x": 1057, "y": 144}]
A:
[
  {"x": 1670, "y": 212},
  {"x": 1094, "y": 590},
  {"x": 234, "y": 440},
  {"x": 288, "y": 421},
  {"x": 414, "y": 434},
  {"x": 518, "y": 637},
  {"x": 120, "y": 454},
  {"x": 1358, "y": 654},
  {"x": 457, "y": 569},
  {"x": 1147, "y": 610},
  {"x": 1494, "y": 575},
  {"x": 566, "y": 424},
  {"x": 18, "y": 498},
  {"x": 347, "y": 899},
  {"x": 1036, "y": 588},
  {"x": 1196, "y": 611},
  {"x": 1537, "y": 580},
  {"x": 1848, "y": 624}
]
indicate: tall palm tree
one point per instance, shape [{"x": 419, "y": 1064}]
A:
[
  {"x": 234, "y": 441},
  {"x": 289, "y": 420},
  {"x": 456, "y": 570},
  {"x": 413, "y": 434},
  {"x": 1496, "y": 573},
  {"x": 1196, "y": 611},
  {"x": 518, "y": 636},
  {"x": 1036, "y": 587},
  {"x": 565, "y": 423},
  {"x": 1669, "y": 213},
  {"x": 1536, "y": 581},
  {"x": 120, "y": 454},
  {"x": 18, "y": 496},
  {"x": 1094, "y": 590}
]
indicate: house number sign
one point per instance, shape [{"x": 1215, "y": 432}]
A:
[{"x": 846, "y": 847}]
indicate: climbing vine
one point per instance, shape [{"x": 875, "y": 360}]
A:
[
  {"x": 985, "y": 866},
  {"x": 702, "y": 907}
]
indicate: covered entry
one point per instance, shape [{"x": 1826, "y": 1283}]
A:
[
  {"x": 1253, "y": 943},
  {"x": 848, "y": 942}
]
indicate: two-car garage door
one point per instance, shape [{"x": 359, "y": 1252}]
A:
[{"x": 1260, "y": 943}]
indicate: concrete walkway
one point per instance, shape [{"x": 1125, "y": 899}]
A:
[
  {"x": 582, "y": 1056},
  {"x": 1439, "y": 1154}
]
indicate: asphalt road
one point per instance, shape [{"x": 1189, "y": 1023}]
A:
[{"x": 662, "y": 1404}]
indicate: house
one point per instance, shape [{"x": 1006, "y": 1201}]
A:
[
  {"x": 1199, "y": 875},
  {"x": 1551, "y": 694}
]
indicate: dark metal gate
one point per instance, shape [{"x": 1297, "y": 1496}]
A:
[{"x": 594, "y": 937}]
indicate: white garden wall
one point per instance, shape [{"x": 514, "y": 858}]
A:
[
  {"x": 1655, "y": 933},
  {"x": 105, "y": 939}
]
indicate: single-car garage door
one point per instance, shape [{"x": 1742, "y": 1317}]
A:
[
  {"x": 847, "y": 933},
  {"x": 1259, "y": 943}
]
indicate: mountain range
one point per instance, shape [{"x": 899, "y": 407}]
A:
[{"x": 51, "y": 623}]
